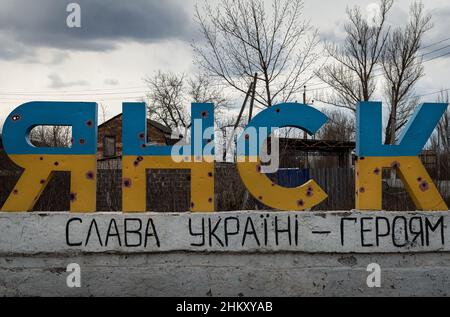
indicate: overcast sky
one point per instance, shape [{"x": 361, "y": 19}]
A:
[{"x": 121, "y": 42}]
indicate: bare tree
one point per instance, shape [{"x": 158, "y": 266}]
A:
[
  {"x": 341, "y": 126},
  {"x": 224, "y": 126},
  {"x": 51, "y": 136},
  {"x": 165, "y": 95},
  {"x": 103, "y": 112},
  {"x": 440, "y": 141},
  {"x": 242, "y": 38},
  {"x": 202, "y": 89},
  {"x": 350, "y": 73},
  {"x": 171, "y": 94},
  {"x": 402, "y": 68}
]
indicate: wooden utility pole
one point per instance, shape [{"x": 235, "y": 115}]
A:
[
  {"x": 247, "y": 95},
  {"x": 252, "y": 90},
  {"x": 252, "y": 100},
  {"x": 390, "y": 138},
  {"x": 305, "y": 135},
  {"x": 243, "y": 106}
]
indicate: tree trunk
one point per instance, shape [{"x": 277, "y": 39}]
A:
[{"x": 392, "y": 123}]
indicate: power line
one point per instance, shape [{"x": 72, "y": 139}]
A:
[
  {"x": 48, "y": 92},
  {"x": 44, "y": 98},
  {"x": 87, "y": 92},
  {"x": 434, "y": 93},
  {"x": 76, "y": 94},
  {"x": 380, "y": 74},
  {"x": 435, "y": 43},
  {"x": 421, "y": 56}
]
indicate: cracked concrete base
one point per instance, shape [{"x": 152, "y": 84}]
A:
[
  {"x": 225, "y": 254},
  {"x": 196, "y": 274}
]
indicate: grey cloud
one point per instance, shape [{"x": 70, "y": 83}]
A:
[
  {"x": 103, "y": 22},
  {"x": 335, "y": 32},
  {"x": 398, "y": 16},
  {"x": 334, "y": 35},
  {"x": 11, "y": 50},
  {"x": 59, "y": 57},
  {"x": 438, "y": 36},
  {"x": 11, "y": 53},
  {"x": 111, "y": 82},
  {"x": 56, "y": 58},
  {"x": 441, "y": 22},
  {"x": 57, "y": 82}
]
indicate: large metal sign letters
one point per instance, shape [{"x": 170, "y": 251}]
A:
[{"x": 198, "y": 156}]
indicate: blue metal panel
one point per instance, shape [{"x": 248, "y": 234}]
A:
[
  {"x": 411, "y": 142},
  {"x": 292, "y": 177},
  {"x": 279, "y": 116},
  {"x": 81, "y": 116},
  {"x": 134, "y": 130}
]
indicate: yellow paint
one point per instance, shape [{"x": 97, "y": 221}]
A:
[
  {"x": 412, "y": 173},
  {"x": 134, "y": 180},
  {"x": 262, "y": 188},
  {"x": 37, "y": 173}
]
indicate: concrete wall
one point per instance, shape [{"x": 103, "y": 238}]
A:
[{"x": 225, "y": 254}]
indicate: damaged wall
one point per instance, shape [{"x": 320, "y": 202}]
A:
[{"x": 225, "y": 254}]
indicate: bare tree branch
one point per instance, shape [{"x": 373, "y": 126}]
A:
[
  {"x": 403, "y": 67},
  {"x": 170, "y": 96},
  {"x": 242, "y": 39},
  {"x": 350, "y": 72}
]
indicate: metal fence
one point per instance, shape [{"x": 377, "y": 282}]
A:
[{"x": 169, "y": 190}]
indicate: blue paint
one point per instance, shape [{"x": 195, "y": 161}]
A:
[
  {"x": 291, "y": 177},
  {"x": 134, "y": 131},
  {"x": 294, "y": 115},
  {"x": 414, "y": 135},
  {"x": 81, "y": 116}
]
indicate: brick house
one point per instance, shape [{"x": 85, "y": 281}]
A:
[
  {"x": 110, "y": 137},
  {"x": 5, "y": 163}
]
